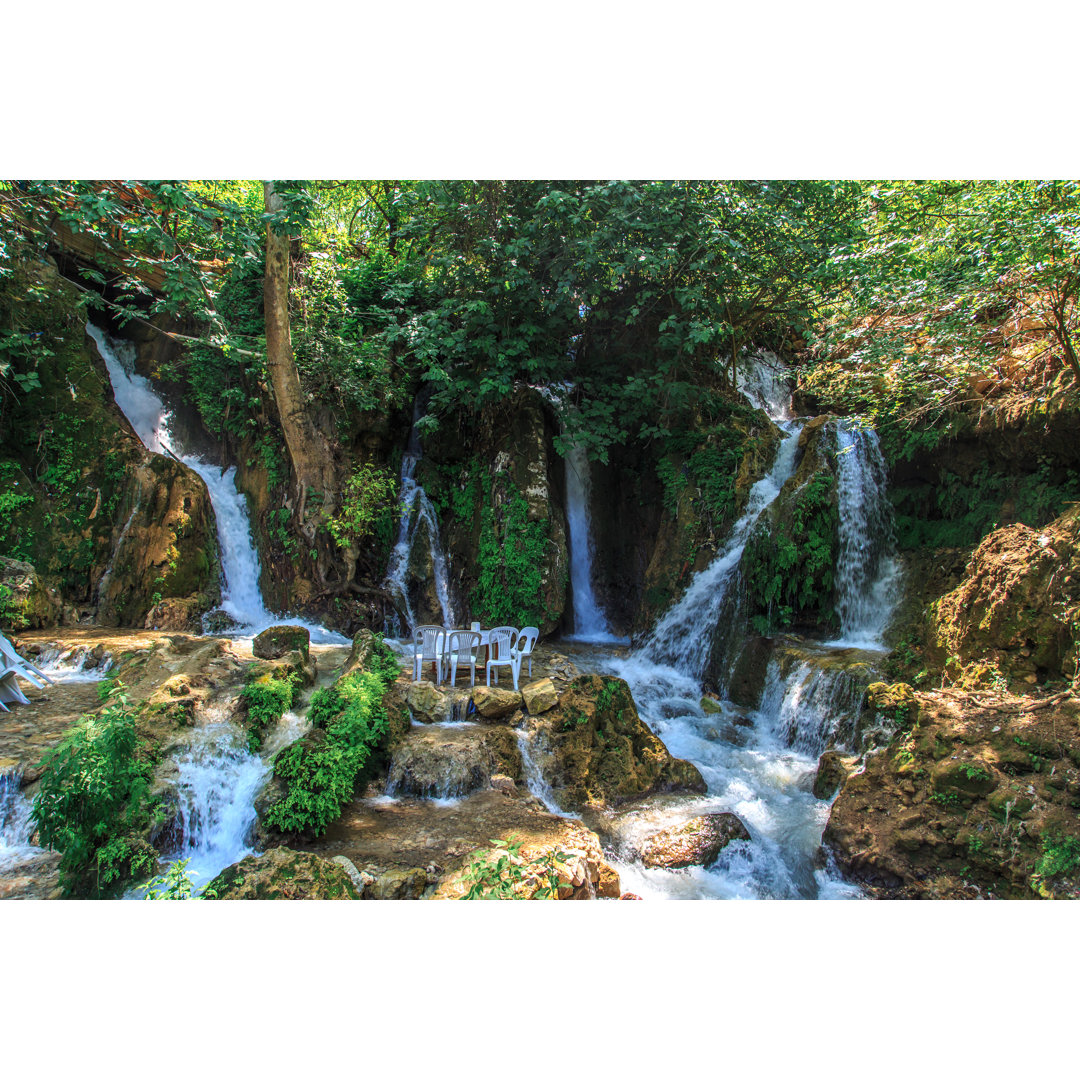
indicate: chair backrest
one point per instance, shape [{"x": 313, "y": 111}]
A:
[
  {"x": 462, "y": 642},
  {"x": 527, "y": 639},
  {"x": 427, "y": 641},
  {"x": 502, "y": 641}
]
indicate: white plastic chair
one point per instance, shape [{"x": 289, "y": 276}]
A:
[
  {"x": 27, "y": 670},
  {"x": 461, "y": 649},
  {"x": 9, "y": 689},
  {"x": 428, "y": 645},
  {"x": 503, "y": 654},
  {"x": 525, "y": 642}
]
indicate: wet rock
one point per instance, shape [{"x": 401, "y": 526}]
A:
[
  {"x": 710, "y": 705},
  {"x": 629, "y": 896},
  {"x": 831, "y": 773},
  {"x": 398, "y": 885},
  {"x": 447, "y": 763},
  {"x": 274, "y": 642},
  {"x": 697, "y": 842},
  {"x": 539, "y": 696},
  {"x": 493, "y": 702},
  {"x": 597, "y": 751},
  {"x": 748, "y": 675},
  {"x": 284, "y": 874}
]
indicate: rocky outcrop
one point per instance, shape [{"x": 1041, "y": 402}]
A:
[
  {"x": 831, "y": 773},
  {"x": 274, "y": 642},
  {"x": 443, "y": 763},
  {"x": 594, "y": 750},
  {"x": 495, "y": 702},
  {"x": 283, "y": 874},
  {"x": 978, "y": 797},
  {"x": 1014, "y": 615},
  {"x": 539, "y": 696},
  {"x": 26, "y": 601},
  {"x": 697, "y": 842}
]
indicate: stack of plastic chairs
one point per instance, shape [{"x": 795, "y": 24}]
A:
[{"x": 12, "y": 666}]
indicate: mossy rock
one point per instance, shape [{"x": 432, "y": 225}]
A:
[
  {"x": 274, "y": 642},
  {"x": 968, "y": 778},
  {"x": 896, "y": 701},
  {"x": 283, "y": 874}
]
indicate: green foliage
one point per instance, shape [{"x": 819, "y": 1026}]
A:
[
  {"x": 174, "y": 884},
  {"x": 320, "y": 771},
  {"x": 509, "y": 557},
  {"x": 94, "y": 800},
  {"x": 265, "y": 701},
  {"x": 12, "y": 616},
  {"x": 367, "y": 505},
  {"x": 1060, "y": 858},
  {"x": 788, "y": 569},
  {"x": 499, "y": 879}
]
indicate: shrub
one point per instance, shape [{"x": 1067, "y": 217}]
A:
[
  {"x": 94, "y": 801},
  {"x": 265, "y": 700}
]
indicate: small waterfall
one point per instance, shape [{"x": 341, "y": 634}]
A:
[
  {"x": 148, "y": 415},
  {"x": 417, "y": 517},
  {"x": 103, "y": 585},
  {"x": 534, "y": 777},
  {"x": 16, "y": 827},
  {"x": 866, "y": 572},
  {"x": 77, "y": 664},
  {"x": 216, "y": 786}
]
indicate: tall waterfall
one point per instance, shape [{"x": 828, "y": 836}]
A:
[
  {"x": 218, "y": 779},
  {"x": 149, "y": 416},
  {"x": 417, "y": 518},
  {"x": 866, "y": 572}
]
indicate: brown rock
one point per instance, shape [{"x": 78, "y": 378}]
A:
[
  {"x": 540, "y": 696},
  {"x": 831, "y": 774},
  {"x": 697, "y": 842},
  {"x": 493, "y": 702},
  {"x": 274, "y": 642},
  {"x": 428, "y": 703},
  {"x": 284, "y": 874},
  {"x": 629, "y": 896}
]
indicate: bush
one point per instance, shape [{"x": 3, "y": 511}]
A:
[
  {"x": 265, "y": 700},
  {"x": 320, "y": 771},
  {"x": 94, "y": 802}
]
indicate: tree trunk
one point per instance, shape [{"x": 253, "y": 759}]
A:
[{"x": 309, "y": 451}]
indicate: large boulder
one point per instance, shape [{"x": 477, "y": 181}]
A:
[
  {"x": 540, "y": 696},
  {"x": 283, "y": 874},
  {"x": 274, "y": 642},
  {"x": 1014, "y": 613},
  {"x": 697, "y": 842},
  {"x": 831, "y": 773},
  {"x": 495, "y": 702},
  {"x": 594, "y": 750}
]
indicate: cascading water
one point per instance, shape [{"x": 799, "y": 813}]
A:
[
  {"x": 148, "y": 415},
  {"x": 417, "y": 517},
  {"x": 218, "y": 779},
  {"x": 16, "y": 827},
  {"x": 866, "y": 571}
]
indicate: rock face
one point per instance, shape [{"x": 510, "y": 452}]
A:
[
  {"x": 31, "y": 603},
  {"x": 697, "y": 842},
  {"x": 274, "y": 642},
  {"x": 598, "y": 752},
  {"x": 975, "y": 798},
  {"x": 831, "y": 773},
  {"x": 284, "y": 874},
  {"x": 1014, "y": 613},
  {"x": 447, "y": 763}
]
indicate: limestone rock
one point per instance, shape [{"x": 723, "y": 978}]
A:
[
  {"x": 697, "y": 842},
  {"x": 363, "y": 646},
  {"x": 896, "y": 701},
  {"x": 284, "y": 874},
  {"x": 428, "y": 703},
  {"x": 445, "y": 763},
  {"x": 594, "y": 749},
  {"x": 274, "y": 642},
  {"x": 493, "y": 702},
  {"x": 398, "y": 885},
  {"x": 32, "y": 603},
  {"x": 831, "y": 774},
  {"x": 540, "y": 696}
]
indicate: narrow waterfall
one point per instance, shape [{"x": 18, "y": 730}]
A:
[
  {"x": 590, "y": 623},
  {"x": 417, "y": 518},
  {"x": 149, "y": 416},
  {"x": 867, "y": 572},
  {"x": 218, "y": 779}
]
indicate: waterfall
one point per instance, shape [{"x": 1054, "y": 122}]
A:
[
  {"x": 16, "y": 827},
  {"x": 149, "y": 416},
  {"x": 415, "y": 510},
  {"x": 218, "y": 779},
  {"x": 867, "y": 572}
]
